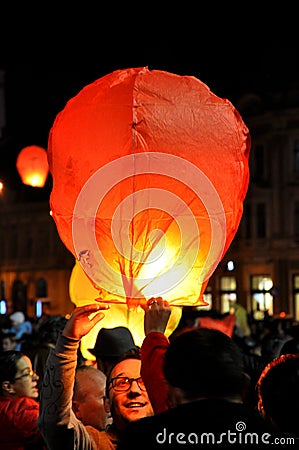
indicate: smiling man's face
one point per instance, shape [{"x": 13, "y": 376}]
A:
[{"x": 132, "y": 404}]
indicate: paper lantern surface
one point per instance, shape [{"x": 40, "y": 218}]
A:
[
  {"x": 150, "y": 170},
  {"x": 32, "y": 165},
  {"x": 82, "y": 292}
]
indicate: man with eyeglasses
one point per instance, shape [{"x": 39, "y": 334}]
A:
[{"x": 126, "y": 397}]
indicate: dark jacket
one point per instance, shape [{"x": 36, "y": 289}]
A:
[{"x": 203, "y": 424}]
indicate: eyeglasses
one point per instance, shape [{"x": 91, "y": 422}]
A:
[
  {"x": 122, "y": 384},
  {"x": 30, "y": 373}
]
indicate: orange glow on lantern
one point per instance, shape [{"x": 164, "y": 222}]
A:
[
  {"x": 82, "y": 292},
  {"x": 150, "y": 170},
  {"x": 32, "y": 165}
]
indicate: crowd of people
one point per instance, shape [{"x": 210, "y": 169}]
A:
[{"x": 209, "y": 384}]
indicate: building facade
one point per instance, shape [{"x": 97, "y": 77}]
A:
[
  {"x": 35, "y": 266},
  {"x": 261, "y": 268}
]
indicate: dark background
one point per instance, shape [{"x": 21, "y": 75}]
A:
[{"x": 50, "y": 54}]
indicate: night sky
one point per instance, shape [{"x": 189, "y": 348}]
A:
[{"x": 51, "y": 57}]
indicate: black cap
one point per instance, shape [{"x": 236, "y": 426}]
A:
[{"x": 113, "y": 342}]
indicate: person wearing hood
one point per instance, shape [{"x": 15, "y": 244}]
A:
[{"x": 20, "y": 326}]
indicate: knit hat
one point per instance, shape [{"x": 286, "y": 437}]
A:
[{"x": 18, "y": 317}]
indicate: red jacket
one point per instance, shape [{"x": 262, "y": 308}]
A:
[
  {"x": 18, "y": 424},
  {"x": 153, "y": 350}
]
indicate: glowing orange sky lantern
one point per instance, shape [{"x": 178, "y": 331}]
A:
[
  {"x": 150, "y": 170},
  {"x": 32, "y": 165}
]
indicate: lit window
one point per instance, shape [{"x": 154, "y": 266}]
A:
[
  {"x": 228, "y": 292},
  {"x": 230, "y": 266},
  {"x": 207, "y": 296},
  {"x": 261, "y": 298},
  {"x": 39, "y": 308},
  {"x": 3, "y": 308},
  {"x": 296, "y": 296},
  {"x": 296, "y": 155}
]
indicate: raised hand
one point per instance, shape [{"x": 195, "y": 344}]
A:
[
  {"x": 156, "y": 315},
  {"x": 83, "y": 319}
]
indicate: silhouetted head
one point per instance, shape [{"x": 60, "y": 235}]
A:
[
  {"x": 278, "y": 392},
  {"x": 204, "y": 363}
]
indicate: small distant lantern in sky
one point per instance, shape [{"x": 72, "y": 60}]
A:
[{"x": 32, "y": 165}]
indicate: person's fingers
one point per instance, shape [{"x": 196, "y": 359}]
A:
[
  {"x": 155, "y": 301},
  {"x": 99, "y": 300},
  {"x": 146, "y": 306},
  {"x": 97, "y": 317},
  {"x": 102, "y": 305},
  {"x": 95, "y": 314},
  {"x": 151, "y": 301},
  {"x": 90, "y": 308}
]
